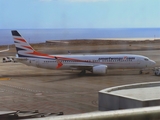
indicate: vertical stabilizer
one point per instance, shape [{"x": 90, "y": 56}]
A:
[
  {"x": 24, "y": 49},
  {"x": 22, "y": 46}
]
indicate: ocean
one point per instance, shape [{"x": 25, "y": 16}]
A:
[{"x": 41, "y": 35}]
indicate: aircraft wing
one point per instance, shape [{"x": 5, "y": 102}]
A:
[
  {"x": 5, "y": 50},
  {"x": 21, "y": 59},
  {"x": 96, "y": 69},
  {"x": 81, "y": 67}
]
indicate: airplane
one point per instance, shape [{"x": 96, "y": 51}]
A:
[{"x": 97, "y": 64}]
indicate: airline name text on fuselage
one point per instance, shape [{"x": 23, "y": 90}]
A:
[{"x": 117, "y": 58}]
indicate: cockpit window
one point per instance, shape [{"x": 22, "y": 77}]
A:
[{"x": 145, "y": 59}]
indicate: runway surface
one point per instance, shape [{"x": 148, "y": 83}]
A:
[{"x": 29, "y": 88}]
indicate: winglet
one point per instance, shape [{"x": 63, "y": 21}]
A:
[
  {"x": 69, "y": 52},
  {"x": 60, "y": 64}
]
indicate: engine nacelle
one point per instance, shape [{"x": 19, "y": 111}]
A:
[{"x": 100, "y": 69}]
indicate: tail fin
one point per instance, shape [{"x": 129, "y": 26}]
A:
[{"x": 23, "y": 47}]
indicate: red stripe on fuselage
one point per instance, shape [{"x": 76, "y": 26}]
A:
[
  {"x": 60, "y": 58},
  {"x": 40, "y": 54},
  {"x": 64, "y": 58},
  {"x": 71, "y": 59}
]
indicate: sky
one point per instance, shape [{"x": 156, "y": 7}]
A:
[{"x": 55, "y": 14}]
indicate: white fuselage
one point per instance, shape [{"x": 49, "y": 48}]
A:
[
  {"x": 116, "y": 61},
  {"x": 97, "y": 64}
]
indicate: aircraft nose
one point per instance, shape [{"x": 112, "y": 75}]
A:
[{"x": 152, "y": 63}]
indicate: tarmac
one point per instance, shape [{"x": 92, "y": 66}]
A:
[{"x": 28, "y": 88}]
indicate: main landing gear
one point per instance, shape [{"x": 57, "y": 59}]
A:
[
  {"x": 141, "y": 71},
  {"x": 83, "y": 72}
]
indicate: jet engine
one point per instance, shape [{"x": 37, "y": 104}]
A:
[{"x": 100, "y": 69}]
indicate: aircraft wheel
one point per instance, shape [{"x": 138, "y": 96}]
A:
[
  {"x": 83, "y": 72},
  {"x": 155, "y": 73},
  {"x": 140, "y": 72}
]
